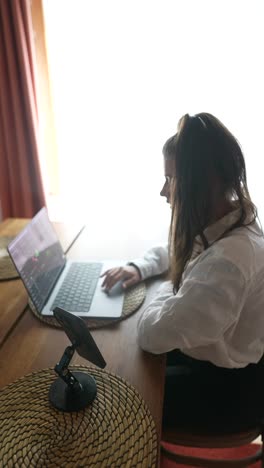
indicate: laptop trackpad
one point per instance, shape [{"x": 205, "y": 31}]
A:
[
  {"x": 107, "y": 305},
  {"x": 116, "y": 290}
]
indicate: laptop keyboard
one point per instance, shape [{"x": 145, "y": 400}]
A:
[{"x": 78, "y": 288}]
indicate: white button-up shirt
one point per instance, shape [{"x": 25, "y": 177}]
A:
[{"x": 217, "y": 314}]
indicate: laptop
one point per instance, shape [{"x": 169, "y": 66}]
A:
[{"x": 52, "y": 280}]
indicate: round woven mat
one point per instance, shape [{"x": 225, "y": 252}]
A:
[
  {"x": 7, "y": 269},
  {"x": 116, "y": 430},
  {"x": 132, "y": 301}
]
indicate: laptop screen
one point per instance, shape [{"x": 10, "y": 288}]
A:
[{"x": 38, "y": 257}]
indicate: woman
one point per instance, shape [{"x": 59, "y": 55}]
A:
[{"x": 209, "y": 317}]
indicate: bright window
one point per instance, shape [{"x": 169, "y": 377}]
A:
[{"x": 123, "y": 73}]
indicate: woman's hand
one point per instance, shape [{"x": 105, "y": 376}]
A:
[{"x": 128, "y": 274}]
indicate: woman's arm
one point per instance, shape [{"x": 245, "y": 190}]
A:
[
  {"x": 207, "y": 304},
  {"x": 154, "y": 262}
]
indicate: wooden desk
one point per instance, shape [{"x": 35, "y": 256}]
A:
[
  {"x": 32, "y": 345},
  {"x": 13, "y": 296}
]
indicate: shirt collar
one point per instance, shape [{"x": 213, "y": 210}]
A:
[{"x": 216, "y": 230}]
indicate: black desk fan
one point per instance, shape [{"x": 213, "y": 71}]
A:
[{"x": 73, "y": 391}]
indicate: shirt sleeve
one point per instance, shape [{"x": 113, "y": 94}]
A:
[
  {"x": 155, "y": 262},
  {"x": 207, "y": 304}
]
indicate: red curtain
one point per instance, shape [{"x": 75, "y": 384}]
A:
[{"x": 21, "y": 188}]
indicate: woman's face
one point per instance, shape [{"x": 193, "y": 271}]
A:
[{"x": 169, "y": 173}]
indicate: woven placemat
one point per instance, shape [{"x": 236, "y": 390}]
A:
[
  {"x": 116, "y": 430},
  {"x": 132, "y": 301},
  {"x": 7, "y": 269}
]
